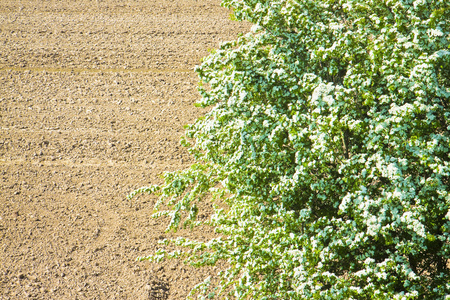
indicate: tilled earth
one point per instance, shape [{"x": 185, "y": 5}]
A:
[{"x": 93, "y": 99}]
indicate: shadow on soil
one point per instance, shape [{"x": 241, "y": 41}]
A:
[{"x": 159, "y": 289}]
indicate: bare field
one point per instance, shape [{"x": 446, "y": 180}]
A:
[{"x": 93, "y": 99}]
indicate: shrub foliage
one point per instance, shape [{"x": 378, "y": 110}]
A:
[{"x": 328, "y": 138}]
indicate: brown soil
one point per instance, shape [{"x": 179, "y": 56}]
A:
[{"x": 93, "y": 99}]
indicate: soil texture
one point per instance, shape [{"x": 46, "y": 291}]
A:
[{"x": 93, "y": 99}]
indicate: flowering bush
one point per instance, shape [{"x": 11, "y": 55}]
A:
[{"x": 329, "y": 141}]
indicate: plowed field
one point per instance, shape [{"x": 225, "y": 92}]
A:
[{"x": 93, "y": 99}]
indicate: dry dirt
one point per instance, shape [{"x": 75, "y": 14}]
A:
[{"x": 93, "y": 99}]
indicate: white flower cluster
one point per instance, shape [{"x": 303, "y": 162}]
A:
[{"x": 329, "y": 140}]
